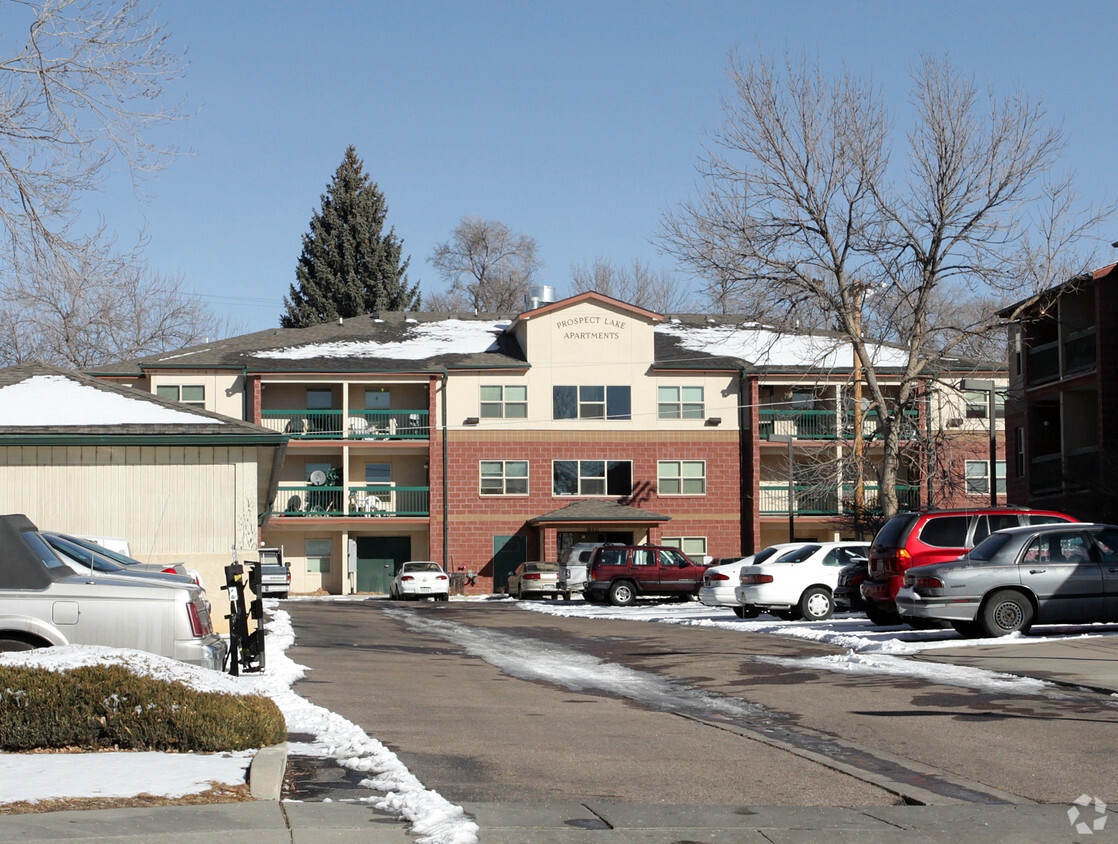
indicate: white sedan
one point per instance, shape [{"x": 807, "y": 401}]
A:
[
  {"x": 721, "y": 579},
  {"x": 420, "y": 579},
  {"x": 800, "y": 583}
]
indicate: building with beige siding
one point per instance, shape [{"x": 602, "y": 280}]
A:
[
  {"x": 481, "y": 441},
  {"x": 180, "y": 484}
]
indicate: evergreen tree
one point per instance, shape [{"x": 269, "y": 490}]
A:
[{"x": 349, "y": 266}]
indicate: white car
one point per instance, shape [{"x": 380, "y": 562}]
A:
[
  {"x": 420, "y": 579},
  {"x": 799, "y": 583},
  {"x": 721, "y": 579}
]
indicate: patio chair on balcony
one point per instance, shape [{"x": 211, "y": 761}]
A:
[
  {"x": 358, "y": 426},
  {"x": 299, "y": 425}
]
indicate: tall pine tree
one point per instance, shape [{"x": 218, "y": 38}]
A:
[{"x": 349, "y": 265}]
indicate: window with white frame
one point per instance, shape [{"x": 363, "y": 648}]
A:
[
  {"x": 978, "y": 476},
  {"x": 681, "y": 477},
  {"x": 318, "y": 555},
  {"x": 591, "y": 402},
  {"x": 978, "y": 404},
  {"x": 191, "y": 394},
  {"x": 680, "y": 403},
  {"x": 592, "y": 477},
  {"x": 503, "y": 477},
  {"x": 504, "y": 401},
  {"x": 694, "y": 547}
]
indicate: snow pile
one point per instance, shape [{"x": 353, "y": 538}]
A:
[{"x": 426, "y": 340}]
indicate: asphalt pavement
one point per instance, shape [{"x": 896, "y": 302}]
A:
[{"x": 1087, "y": 663}]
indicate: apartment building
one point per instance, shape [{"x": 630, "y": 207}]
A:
[
  {"x": 484, "y": 441},
  {"x": 1062, "y": 436}
]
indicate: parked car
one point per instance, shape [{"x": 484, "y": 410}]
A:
[
  {"x": 44, "y": 602},
  {"x": 798, "y": 583},
  {"x": 1017, "y": 577},
  {"x": 574, "y": 565},
  {"x": 275, "y": 573},
  {"x": 420, "y": 579},
  {"x": 621, "y": 573},
  {"x": 119, "y": 559},
  {"x": 933, "y": 536},
  {"x": 848, "y": 587},
  {"x": 84, "y": 559},
  {"x": 534, "y": 580},
  {"x": 721, "y": 578}
]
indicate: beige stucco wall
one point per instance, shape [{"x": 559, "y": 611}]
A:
[
  {"x": 225, "y": 392},
  {"x": 171, "y": 503},
  {"x": 591, "y": 344}
]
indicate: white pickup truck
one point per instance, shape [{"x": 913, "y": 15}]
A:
[{"x": 275, "y": 574}]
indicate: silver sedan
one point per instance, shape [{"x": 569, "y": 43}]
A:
[
  {"x": 534, "y": 580},
  {"x": 1017, "y": 577}
]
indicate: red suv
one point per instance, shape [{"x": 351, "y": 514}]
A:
[
  {"x": 933, "y": 536},
  {"x": 620, "y": 573}
]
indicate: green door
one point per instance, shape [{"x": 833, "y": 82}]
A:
[
  {"x": 508, "y": 553},
  {"x": 378, "y": 560}
]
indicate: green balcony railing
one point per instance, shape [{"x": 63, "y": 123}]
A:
[
  {"x": 356, "y": 500},
  {"x": 826, "y": 501},
  {"x": 819, "y": 424},
  {"x": 359, "y": 424}
]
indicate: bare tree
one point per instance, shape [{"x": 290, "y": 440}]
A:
[
  {"x": 487, "y": 264},
  {"x": 637, "y": 283},
  {"x": 84, "y": 314},
  {"x": 81, "y": 94},
  {"x": 804, "y": 211}
]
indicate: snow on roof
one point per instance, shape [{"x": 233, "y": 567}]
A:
[
  {"x": 58, "y": 400},
  {"x": 767, "y": 347},
  {"x": 427, "y": 340}
]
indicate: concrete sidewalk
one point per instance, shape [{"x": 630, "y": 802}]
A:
[{"x": 1089, "y": 662}]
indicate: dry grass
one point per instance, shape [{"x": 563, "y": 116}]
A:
[{"x": 217, "y": 794}]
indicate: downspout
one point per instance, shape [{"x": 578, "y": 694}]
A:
[
  {"x": 745, "y": 541},
  {"x": 446, "y": 508}
]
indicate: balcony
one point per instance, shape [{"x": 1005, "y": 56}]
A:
[
  {"x": 361, "y": 500},
  {"x": 305, "y": 424},
  {"x": 826, "y": 501},
  {"x": 819, "y": 424}
]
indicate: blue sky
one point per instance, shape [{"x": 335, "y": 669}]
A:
[{"x": 578, "y": 123}]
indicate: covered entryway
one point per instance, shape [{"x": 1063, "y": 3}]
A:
[
  {"x": 378, "y": 560},
  {"x": 596, "y": 521}
]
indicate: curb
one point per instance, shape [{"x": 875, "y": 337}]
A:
[{"x": 266, "y": 772}]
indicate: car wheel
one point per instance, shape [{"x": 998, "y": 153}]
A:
[
  {"x": 444, "y": 597},
  {"x": 882, "y": 618},
  {"x": 746, "y": 612},
  {"x": 968, "y": 629},
  {"x": 816, "y": 604},
  {"x": 15, "y": 645},
  {"x": 1006, "y": 612},
  {"x": 621, "y": 594}
]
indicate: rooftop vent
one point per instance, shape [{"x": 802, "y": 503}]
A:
[{"x": 540, "y": 295}]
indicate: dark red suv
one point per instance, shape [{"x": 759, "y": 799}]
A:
[
  {"x": 620, "y": 573},
  {"x": 933, "y": 536}
]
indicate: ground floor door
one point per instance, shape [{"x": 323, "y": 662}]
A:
[
  {"x": 508, "y": 553},
  {"x": 378, "y": 560}
]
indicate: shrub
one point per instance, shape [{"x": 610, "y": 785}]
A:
[{"x": 107, "y": 706}]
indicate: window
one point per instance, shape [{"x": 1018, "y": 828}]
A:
[
  {"x": 318, "y": 555},
  {"x": 945, "y": 532},
  {"x": 978, "y": 476},
  {"x": 680, "y": 403},
  {"x": 682, "y": 477},
  {"x": 378, "y": 474},
  {"x": 319, "y": 399},
  {"x": 592, "y": 477},
  {"x": 1057, "y": 548},
  {"x": 1019, "y": 450},
  {"x": 591, "y": 403},
  {"x": 504, "y": 477},
  {"x": 504, "y": 402},
  {"x": 644, "y": 557},
  {"x": 377, "y": 399},
  {"x": 190, "y": 394},
  {"x": 977, "y": 401},
  {"x": 694, "y": 547}
]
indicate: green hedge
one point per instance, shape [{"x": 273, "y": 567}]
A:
[{"x": 107, "y": 706}]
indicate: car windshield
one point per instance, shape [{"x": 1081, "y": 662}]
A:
[
  {"x": 798, "y": 555},
  {"x": 82, "y": 556},
  {"x": 111, "y": 556},
  {"x": 766, "y": 554},
  {"x": 541, "y": 567},
  {"x": 892, "y": 533},
  {"x": 988, "y": 547},
  {"x": 422, "y": 567},
  {"x": 43, "y": 551}
]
